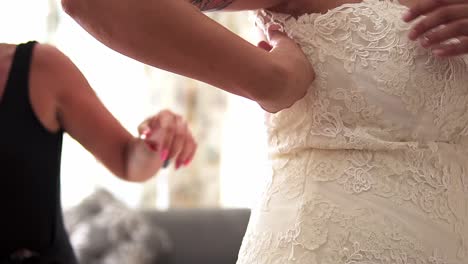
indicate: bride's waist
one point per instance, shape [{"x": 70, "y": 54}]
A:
[
  {"x": 437, "y": 160},
  {"x": 420, "y": 179},
  {"x": 281, "y": 148}
]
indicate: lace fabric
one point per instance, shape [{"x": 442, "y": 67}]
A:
[{"x": 371, "y": 166}]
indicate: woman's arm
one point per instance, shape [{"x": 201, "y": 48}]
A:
[
  {"x": 234, "y": 5},
  {"x": 173, "y": 35},
  {"x": 81, "y": 114}
]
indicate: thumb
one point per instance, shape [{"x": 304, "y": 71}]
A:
[
  {"x": 264, "y": 45},
  {"x": 279, "y": 38},
  {"x": 144, "y": 129}
]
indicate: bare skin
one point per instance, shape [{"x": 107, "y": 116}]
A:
[
  {"x": 6, "y": 56},
  {"x": 61, "y": 98},
  {"x": 198, "y": 47},
  {"x": 211, "y": 5},
  {"x": 195, "y": 46},
  {"x": 443, "y": 20}
]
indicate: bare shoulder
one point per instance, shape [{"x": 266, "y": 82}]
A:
[
  {"x": 56, "y": 67},
  {"x": 50, "y": 77},
  {"x": 7, "y": 52},
  {"x": 48, "y": 68},
  {"x": 50, "y": 58}
]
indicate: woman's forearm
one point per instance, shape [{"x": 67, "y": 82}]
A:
[{"x": 174, "y": 36}]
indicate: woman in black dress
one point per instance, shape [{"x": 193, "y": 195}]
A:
[{"x": 43, "y": 95}]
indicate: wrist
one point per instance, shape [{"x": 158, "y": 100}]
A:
[
  {"x": 130, "y": 153},
  {"x": 141, "y": 162},
  {"x": 276, "y": 78}
]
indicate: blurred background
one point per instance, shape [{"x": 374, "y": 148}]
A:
[{"x": 230, "y": 166}]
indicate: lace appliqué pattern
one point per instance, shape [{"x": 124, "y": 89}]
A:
[
  {"x": 383, "y": 131},
  {"x": 357, "y": 236}
]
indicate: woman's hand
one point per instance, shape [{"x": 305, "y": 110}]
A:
[
  {"x": 168, "y": 135},
  {"x": 444, "y": 29},
  {"x": 296, "y": 71},
  {"x": 162, "y": 138}
]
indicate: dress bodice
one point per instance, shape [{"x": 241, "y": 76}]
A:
[
  {"x": 374, "y": 88},
  {"x": 371, "y": 166}
]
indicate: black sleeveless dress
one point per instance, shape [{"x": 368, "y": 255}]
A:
[{"x": 31, "y": 215}]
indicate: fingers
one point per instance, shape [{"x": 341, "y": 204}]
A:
[
  {"x": 179, "y": 133},
  {"x": 438, "y": 19},
  {"x": 444, "y": 27},
  {"x": 450, "y": 31},
  {"x": 264, "y": 45},
  {"x": 455, "y": 47},
  {"x": 163, "y": 126},
  {"x": 144, "y": 129},
  {"x": 169, "y": 135},
  {"x": 278, "y": 38},
  {"x": 145, "y": 133},
  {"x": 188, "y": 151},
  {"x": 424, "y": 7}
]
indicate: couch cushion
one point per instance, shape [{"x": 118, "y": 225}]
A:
[
  {"x": 103, "y": 230},
  {"x": 202, "y": 236}
]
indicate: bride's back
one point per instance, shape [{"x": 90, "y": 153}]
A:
[
  {"x": 370, "y": 166},
  {"x": 370, "y": 77},
  {"x": 300, "y": 7}
]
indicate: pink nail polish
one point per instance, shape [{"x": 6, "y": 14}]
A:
[
  {"x": 164, "y": 154},
  {"x": 177, "y": 165},
  {"x": 187, "y": 162}
]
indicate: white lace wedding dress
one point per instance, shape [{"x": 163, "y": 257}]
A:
[{"x": 372, "y": 165}]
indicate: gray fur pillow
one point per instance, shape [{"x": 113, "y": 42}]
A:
[{"x": 104, "y": 231}]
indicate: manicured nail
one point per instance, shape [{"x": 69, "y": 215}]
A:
[
  {"x": 413, "y": 34},
  {"x": 145, "y": 134},
  {"x": 166, "y": 163},
  {"x": 187, "y": 162},
  {"x": 164, "y": 154},
  {"x": 177, "y": 165},
  {"x": 274, "y": 27}
]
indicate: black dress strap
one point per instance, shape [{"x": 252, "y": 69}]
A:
[{"x": 16, "y": 94}]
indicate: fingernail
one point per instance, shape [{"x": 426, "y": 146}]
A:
[
  {"x": 406, "y": 15},
  {"x": 413, "y": 34},
  {"x": 166, "y": 163},
  {"x": 438, "y": 52},
  {"x": 177, "y": 165},
  {"x": 164, "y": 154},
  {"x": 424, "y": 41},
  {"x": 274, "y": 27},
  {"x": 145, "y": 134},
  {"x": 187, "y": 162}
]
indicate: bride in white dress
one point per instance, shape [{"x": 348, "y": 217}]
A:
[{"x": 372, "y": 165}]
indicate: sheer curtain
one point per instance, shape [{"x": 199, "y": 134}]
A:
[{"x": 230, "y": 165}]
